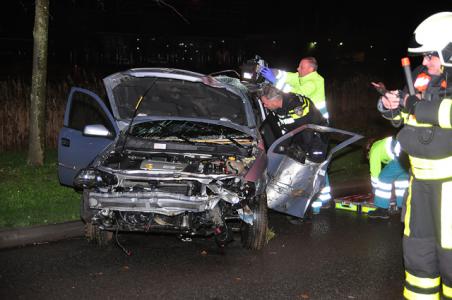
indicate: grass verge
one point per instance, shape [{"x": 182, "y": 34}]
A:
[
  {"x": 349, "y": 164},
  {"x": 33, "y": 195}
]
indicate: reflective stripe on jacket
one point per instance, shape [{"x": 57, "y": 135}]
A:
[
  {"x": 311, "y": 86},
  {"x": 382, "y": 152}
]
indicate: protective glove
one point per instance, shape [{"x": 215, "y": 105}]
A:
[
  {"x": 267, "y": 73},
  {"x": 410, "y": 103}
]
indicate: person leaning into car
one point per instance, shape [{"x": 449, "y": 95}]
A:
[
  {"x": 309, "y": 83},
  {"x": 294, "y": 110},
  {"x": 306, "y": 81}
]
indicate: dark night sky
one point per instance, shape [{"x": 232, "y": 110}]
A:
[
  {"x": 221, "y": 16},
  {"x": 357, "y": 24}
]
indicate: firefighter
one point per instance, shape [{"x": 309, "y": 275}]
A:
[
  {"x": 306, "y": 81},
  {"x": 393, "y": 175},
  {"x": 293, "y": 111},
  {"x": 426, "y": 137}
]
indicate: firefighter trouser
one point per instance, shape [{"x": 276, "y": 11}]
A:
[
  {"x": 392, "y": 175},
  {"x": 427, "y": 240}
]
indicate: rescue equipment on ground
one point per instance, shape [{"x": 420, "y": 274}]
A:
[{"x": 360, "y": 203}]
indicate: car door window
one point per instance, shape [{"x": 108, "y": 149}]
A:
[{"x": 84, "y": 111}]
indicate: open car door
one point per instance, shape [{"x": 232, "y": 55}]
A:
[
  {"x": 77, "y": 147},
  {"x": 293, "y": 180}
]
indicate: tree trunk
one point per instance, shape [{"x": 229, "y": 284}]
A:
[{"x": 36, "y": 142}]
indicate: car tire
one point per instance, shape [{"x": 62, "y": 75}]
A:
[
  {"x": 254, "y": 236},
  {"x": 96, "y": 235}
]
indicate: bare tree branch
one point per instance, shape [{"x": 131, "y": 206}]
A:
[{"x": 174, "y": 9}]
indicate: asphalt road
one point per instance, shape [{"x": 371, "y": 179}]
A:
[{"x": 338, "y": 255}]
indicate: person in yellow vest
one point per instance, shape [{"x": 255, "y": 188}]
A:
[
  {"x": 426, "y": 138},
  {"x": 386, "y": 174},
  {"x": 308, "y": 83}
]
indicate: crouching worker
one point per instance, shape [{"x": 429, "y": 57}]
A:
[
  {"x": 385, "y": 153},
  {"x": 293, "y": 111}
]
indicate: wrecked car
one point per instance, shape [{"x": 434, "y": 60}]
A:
[{"x": 181, "y": 152}]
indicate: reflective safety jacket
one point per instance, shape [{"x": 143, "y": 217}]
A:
[
  {"x": 427, "y": 134},
  {"x": 296, "y": 111},
  {"x": 311, "y": 86},
  {"x": 382, "y": 152}
]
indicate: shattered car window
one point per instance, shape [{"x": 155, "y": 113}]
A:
[
  {"x": 235, "y": 83},
  {"x": 195, "y": 132},
  {"x": 178, "y": 98}
]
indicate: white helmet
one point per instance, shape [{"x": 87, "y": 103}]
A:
[{"x": 434, "y": 34}]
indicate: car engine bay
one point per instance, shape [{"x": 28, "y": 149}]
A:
[{"x": 193, "y": 193}]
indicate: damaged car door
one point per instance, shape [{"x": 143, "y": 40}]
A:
[
  {"x": 88, "y": 128},
  {"x": 295, "y": 180}
]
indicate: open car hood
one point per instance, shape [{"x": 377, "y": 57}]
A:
[{"x": 178, "y": 94}]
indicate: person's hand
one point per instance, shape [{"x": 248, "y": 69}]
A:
[
  {"x": 380, "y": 87},
  {"x": 391, "y": 100},
  {"x": 409, "y": 102},
  {"x": 267, "y": 73}
]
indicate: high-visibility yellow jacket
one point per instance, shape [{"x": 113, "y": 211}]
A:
[
  {"x": 381, "y": 152},
  {"x": 311, "y": 86}
]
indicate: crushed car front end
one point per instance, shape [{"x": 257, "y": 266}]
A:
[{"x": 179, "y": 173}]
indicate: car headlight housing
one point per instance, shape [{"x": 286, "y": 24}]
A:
[{"x": 89, "y": 178}]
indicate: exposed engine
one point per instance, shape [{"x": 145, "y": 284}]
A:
[{"x": 192, "y": 193}]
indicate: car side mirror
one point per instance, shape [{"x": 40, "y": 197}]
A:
[{"x": 96, "y": 130}]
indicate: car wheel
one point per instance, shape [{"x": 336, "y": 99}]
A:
[
  {"x": 94, "y": 234},
  {"x": 254, "y": 236}
]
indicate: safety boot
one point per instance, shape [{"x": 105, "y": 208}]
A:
[{"x": 379, "y": 213}]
